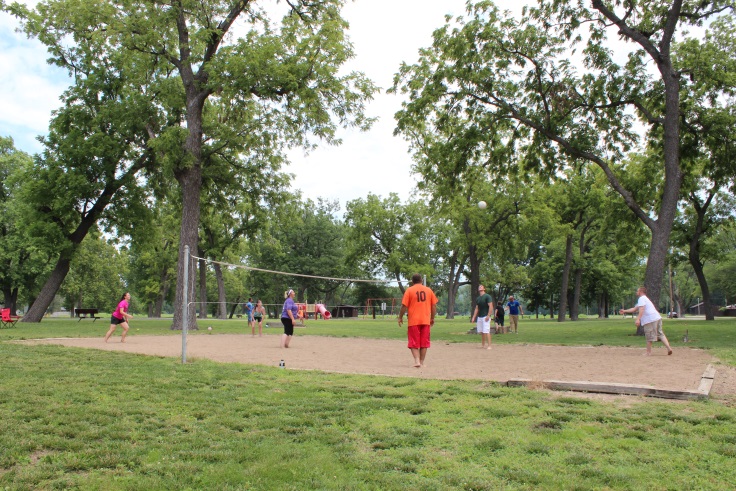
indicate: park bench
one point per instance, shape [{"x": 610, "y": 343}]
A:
[
  {"x": 86, "y": 314},
  {"x": 7, "y": 319}
]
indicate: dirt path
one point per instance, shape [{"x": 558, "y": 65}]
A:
[{"x": 681, "y": 371}]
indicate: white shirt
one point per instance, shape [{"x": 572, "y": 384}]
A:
[{"x": 650, "y": 311}]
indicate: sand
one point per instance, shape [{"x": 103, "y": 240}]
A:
[{"x": 680, "y": 371}]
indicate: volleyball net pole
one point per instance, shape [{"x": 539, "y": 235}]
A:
[{"x": 185, "y": 307}]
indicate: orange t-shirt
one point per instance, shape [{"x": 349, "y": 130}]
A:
[{"x": 419, "y": 300}]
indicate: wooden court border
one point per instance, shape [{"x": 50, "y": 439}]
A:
[{"x": 703, "y": 391}]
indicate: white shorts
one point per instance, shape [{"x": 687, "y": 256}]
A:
[{"x": 482, "y": 325}]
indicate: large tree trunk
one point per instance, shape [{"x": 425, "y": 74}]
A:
[
  {"x": 54, "y": 281},
  {"x": 578, "y": 286},
  {"x": 451, "y": 290},
  {"x": 221, "y": 299},
  {"x": 453, "y": 280},
  {"x": 694, "y": 251},
  {"x": 704, "y": 289},
  {"x": 576, "y": 291},
  {"x": 234, "y": 307},
  {"x": 11, "y": 299},
  {"x": 657, "y": 260},
  {"x": 190, "y": 180},
  {"x": 202, "y": 288},
  {"x": 551, "y": 305},
  {"x": 48, "y": 292},
  {"x": 565, "y": 279}
]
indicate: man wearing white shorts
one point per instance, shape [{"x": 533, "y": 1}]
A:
[
  {"x": 482, "y": 317},
  {"x": 649, "y": 319}
]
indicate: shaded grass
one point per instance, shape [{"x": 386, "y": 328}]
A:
[{"x": 87, "y": 419}]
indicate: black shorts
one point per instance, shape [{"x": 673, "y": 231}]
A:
[
  {"x": 115, "y": 321},
  {"x": 288, "y": 326},
  {"x": 499, "y": 321},
  {"x": 258, "y": 318}
]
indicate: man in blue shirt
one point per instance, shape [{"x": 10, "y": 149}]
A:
[
  {"x": 249, "y": 316},
  {"x": 514, "y": 308}
]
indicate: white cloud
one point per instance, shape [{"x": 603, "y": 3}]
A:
[
  {"x": 29, "y": 87},
  {"x": 384, "y": 33}
]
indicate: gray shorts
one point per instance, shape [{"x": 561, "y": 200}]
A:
[{"x": 653, "y": 331}]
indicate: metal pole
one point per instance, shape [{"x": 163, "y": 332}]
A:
[{"x": 185, "y": 306}]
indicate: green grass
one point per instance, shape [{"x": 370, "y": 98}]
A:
[{"x": 87, "y": 419}]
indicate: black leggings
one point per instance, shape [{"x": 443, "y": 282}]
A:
[{"x": 288, "y": 326}]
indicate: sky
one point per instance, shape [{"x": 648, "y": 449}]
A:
[{"x": 384, "y": 34}]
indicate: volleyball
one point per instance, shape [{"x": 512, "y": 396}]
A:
[{"x": 482, "y": 205}]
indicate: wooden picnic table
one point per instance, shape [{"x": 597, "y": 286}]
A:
[{"x": 86, "y": 314}]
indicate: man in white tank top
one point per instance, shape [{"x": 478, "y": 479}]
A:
[{"x": 649, "y": 319}]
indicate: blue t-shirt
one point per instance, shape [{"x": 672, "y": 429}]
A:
[
  {"x": 290, "y": 304},
  {"x": 249, "y": 309},
  {"x": 513, "y": 307}
]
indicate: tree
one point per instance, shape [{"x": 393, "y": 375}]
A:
[
  {"x": 152, "y": 254},
  {"x": 88, "y": 173},
  {"x": 22, "y": 257},
  {"x": 388, "y": 239},
  {"x": 518, "y": 80},
  {"x": 723, "y": 274},
  {"x": 236, "y": 206},
  {"x": 307, "y": 241},
  {"x": 709, "y": 150},
  {"x": 270, "y": 88},
  {"x": 96, "y": 276}
]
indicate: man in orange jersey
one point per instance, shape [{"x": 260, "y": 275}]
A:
[{"x": 421, "y": 303}]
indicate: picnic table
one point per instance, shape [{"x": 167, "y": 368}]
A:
[{"x": 86, "y": 314}]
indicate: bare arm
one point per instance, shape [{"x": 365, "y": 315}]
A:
[
  {"x": 401, "y": 314},
  {"x": 638, "y": 317}
]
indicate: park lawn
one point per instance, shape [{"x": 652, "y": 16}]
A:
[{"x": 86, "y": 419}]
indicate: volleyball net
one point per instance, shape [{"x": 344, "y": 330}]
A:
[{"x": 312, "y": 307}]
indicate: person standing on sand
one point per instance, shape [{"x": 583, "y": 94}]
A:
[
  {"x": 514, "y": 307},
  {"x": 649, "y": 319},
  {"x": 120, "y": 317},
  {"x": 258, "y": 314},
  {"x": 499, "y": 318},
  {"x": 482, "y": 317},
  {"x": 249, "y": 315},
  {"x": 289, "y": 314},
  {"x": 421, "y": 304}
]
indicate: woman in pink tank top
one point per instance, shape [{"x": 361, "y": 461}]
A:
[{"x": 120, "y": 317}]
